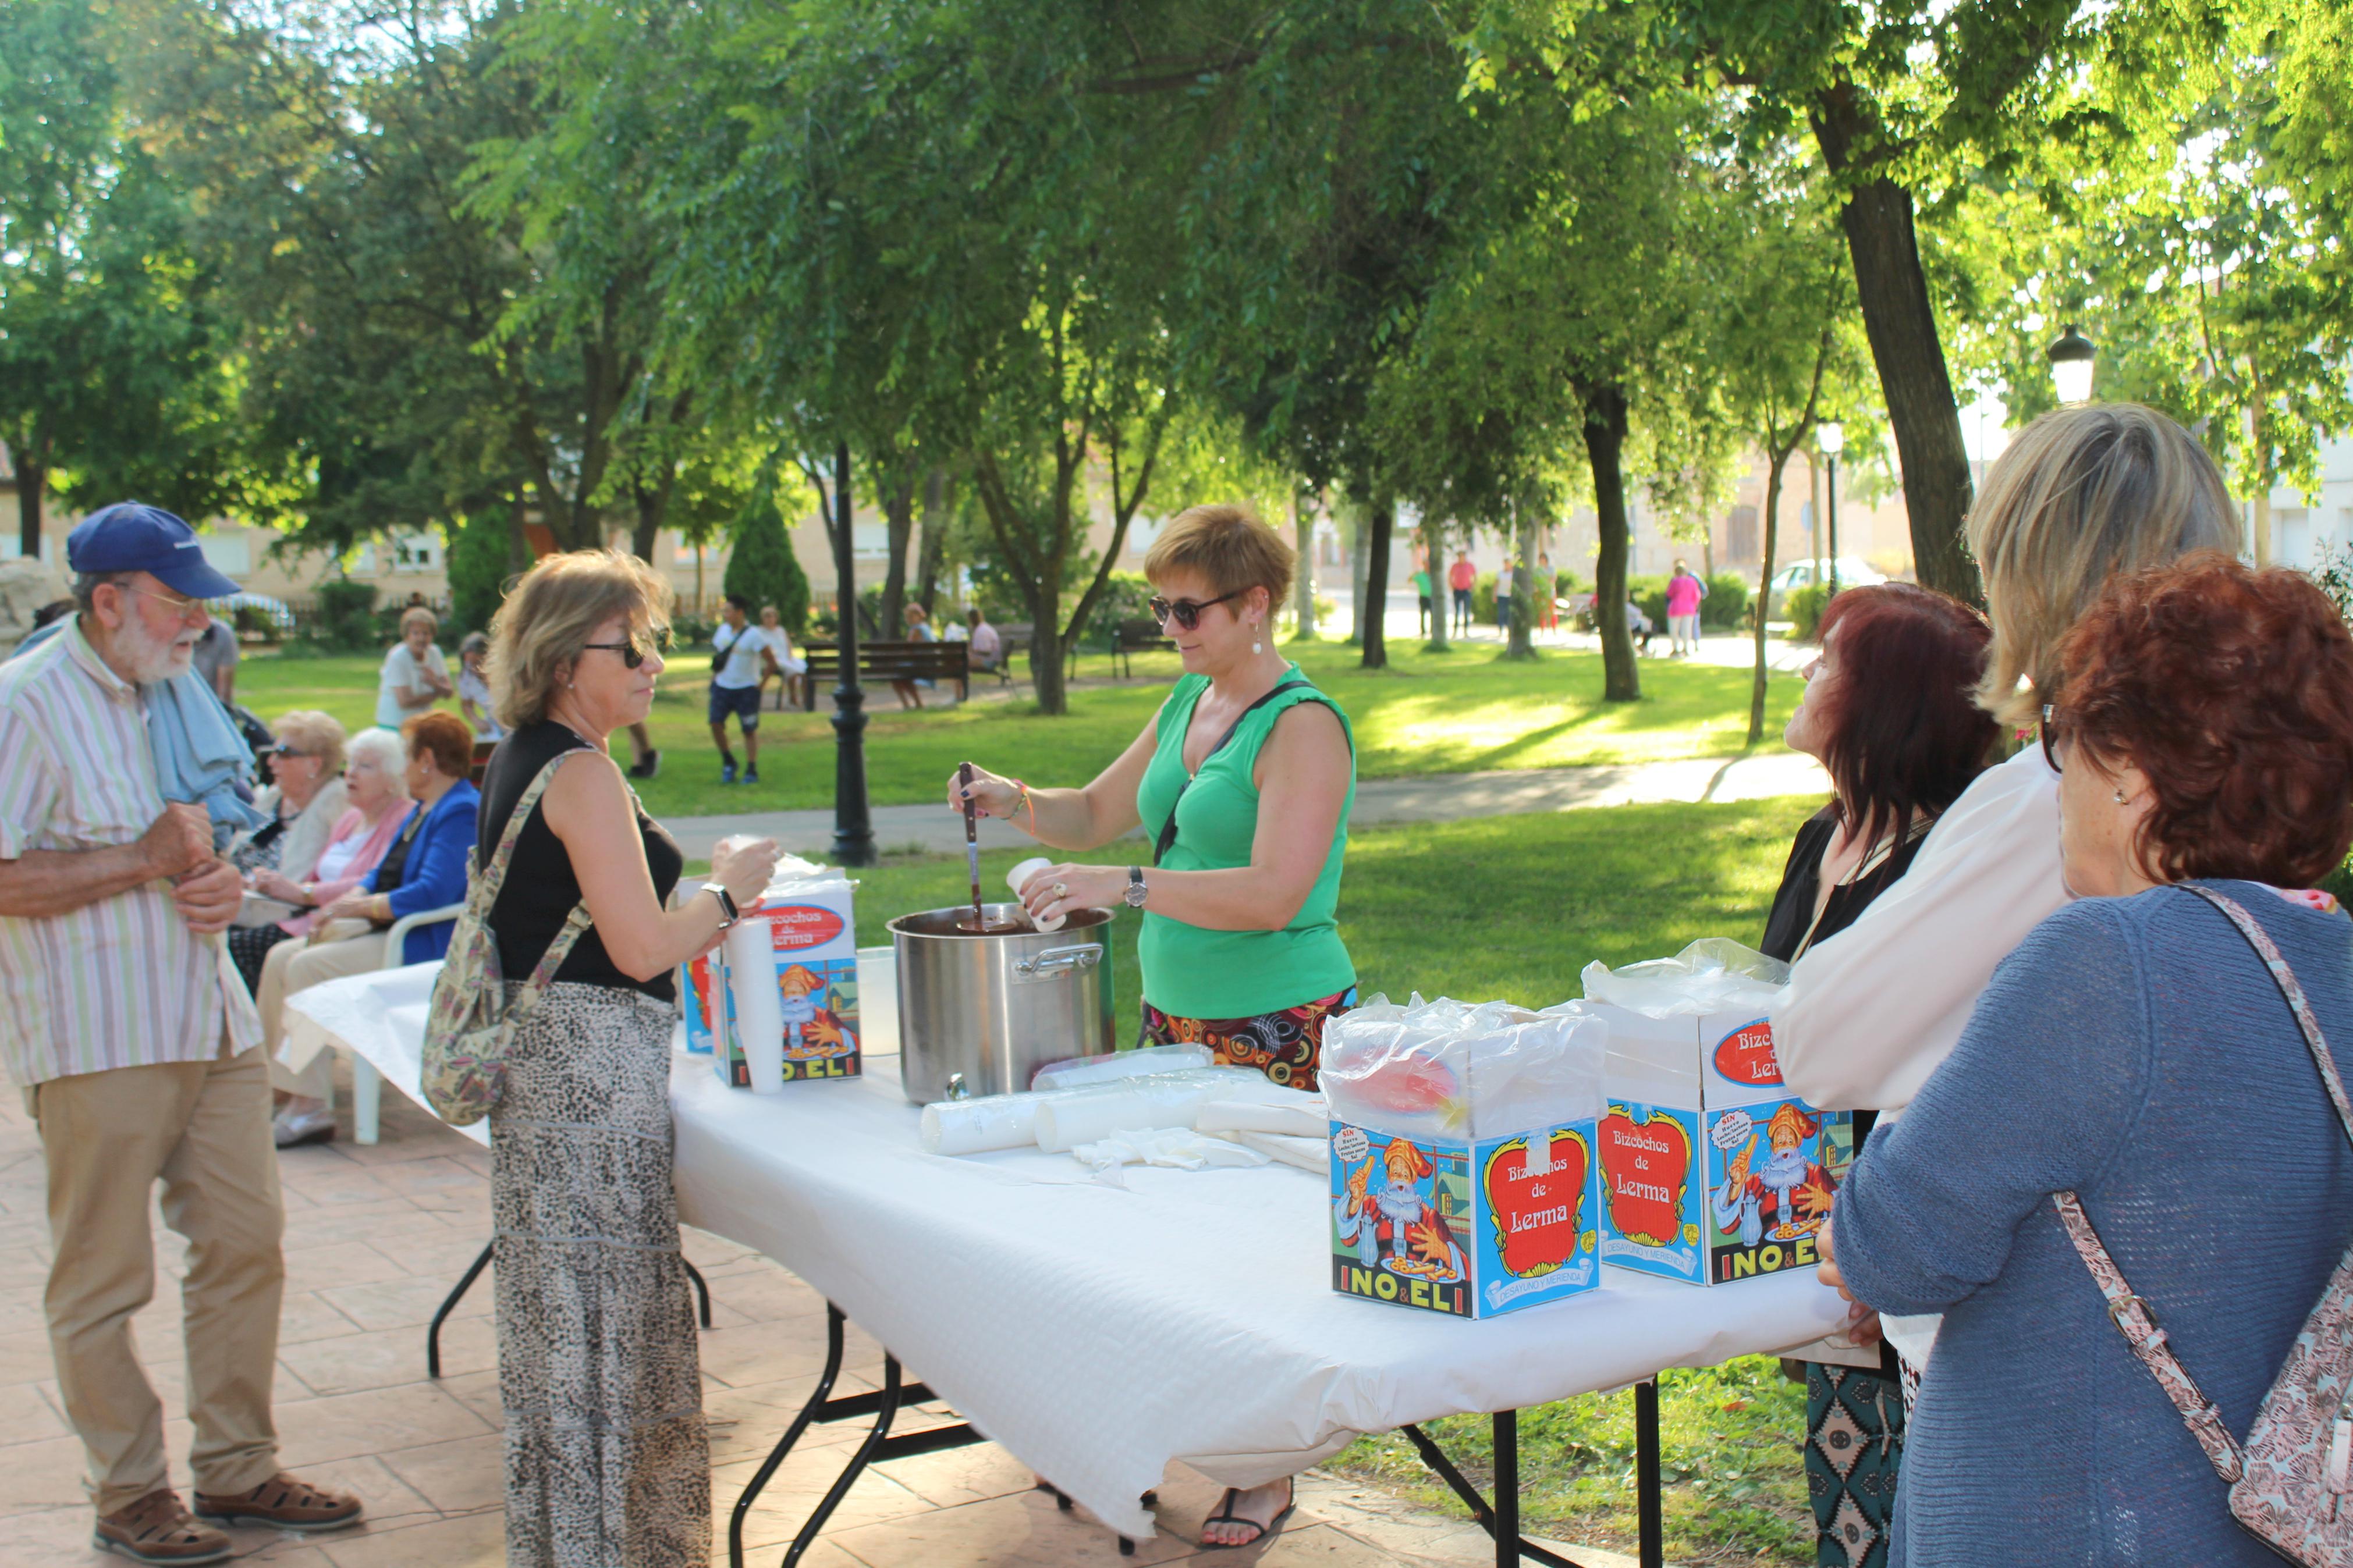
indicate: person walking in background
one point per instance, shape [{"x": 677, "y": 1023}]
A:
[
  {"x": 608, "y": 1456},
  {"x": 1422, "y": 593},
  {"x": 1504, "y": 597},
  {"x": 155, "y": 1075},
  {"x": 1685, "y": 593},
  {"x": 474, "y": 687},
  {"x": 2139, "y": 1108},
  {"x": 216, "y": 660},
  {"x": 1547, "y": 589},
  {"x": 1887, "y": 712},
  {"x": 1461, "y": 578},
  {"x": 738, "y": 650},
  {"x": 416, "y": 674},
  {"x": 919, "y": 629}
]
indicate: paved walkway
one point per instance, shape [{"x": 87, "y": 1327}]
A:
[
  {"x": 375, "y": 1236},
  {"x": 1441, "y": 797}
]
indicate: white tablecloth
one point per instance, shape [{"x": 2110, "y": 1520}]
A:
[
  {"x": 1099, "y": 1332},
  {"x": 379, "y": 1017}
]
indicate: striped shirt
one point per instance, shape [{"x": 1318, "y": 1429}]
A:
[{"x": 122, "y": 982}]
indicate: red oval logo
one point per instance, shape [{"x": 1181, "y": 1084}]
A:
[
  {"x": 792, "y": 927},
  {"x": 1746, "y": 1054}
]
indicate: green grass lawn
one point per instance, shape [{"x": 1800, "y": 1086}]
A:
[
  {"x": 1513, "y": 908},
  {"x": 1428, "y": 713}
]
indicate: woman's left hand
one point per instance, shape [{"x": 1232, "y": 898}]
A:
[
  {"x": 1059, "y": 890},
  {"x": 351, "y": 905}
]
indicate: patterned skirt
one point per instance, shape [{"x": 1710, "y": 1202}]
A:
[
  {"x": 1288, "y": 1046},
  {"x": 608, "y": 1463},
  {"x": 1855, "y": 1451}
]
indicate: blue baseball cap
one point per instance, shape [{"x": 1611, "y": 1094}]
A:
[{"x": 132, "y": 536}]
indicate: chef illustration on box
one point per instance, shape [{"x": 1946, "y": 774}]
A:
[
  {"x": 1394, "y": 1226},
  {"x": 1795, "y": 1190}
]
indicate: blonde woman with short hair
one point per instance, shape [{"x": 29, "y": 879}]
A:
[
  {"x": 2079, "y": 496},
  {"x": 416, "y": 674},
  {"x": 1243, "y": 782},
  {"x": 607, "y": 1460}
]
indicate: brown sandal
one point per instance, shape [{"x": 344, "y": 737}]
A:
[
  {"x": 157, "y": 1530},
  {"x": 282, "y": 1502}
]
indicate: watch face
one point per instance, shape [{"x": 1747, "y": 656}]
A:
[{"x": 1135, "y": 895}]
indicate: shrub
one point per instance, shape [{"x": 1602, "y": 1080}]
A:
[
  {"x": 1805, "y": 607},
  {"x": 478, "y": 570},
  {"x": 347, "y": 619},
  {"x": 1126, "y": 596},
  {"x": 1726, "y": 608},
  {"x": 760, "y": 565},
  {"x": 1483, "y": 600}
]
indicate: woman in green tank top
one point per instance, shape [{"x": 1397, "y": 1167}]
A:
[{"x": 1243, "y": 782}]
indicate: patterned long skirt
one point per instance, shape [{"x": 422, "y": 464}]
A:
[
  {"x": 608, "y": 1463},
  {"x": 1288, "y": 1046},
  {"x": 1854, "y": 1452}
]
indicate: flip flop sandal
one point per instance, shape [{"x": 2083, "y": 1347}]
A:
[{"x": 1226, "y": 1515}]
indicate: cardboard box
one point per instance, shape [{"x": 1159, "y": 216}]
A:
[
  {"x": 813, "y": 940},
  {"x": 1710, "y": 1171},
  {"x": 1465, "y": 1229}
]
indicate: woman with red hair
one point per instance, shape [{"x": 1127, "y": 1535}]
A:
[
  {"x": 1888, "y": 710},
  {"x": 2136, "y": 1128}
]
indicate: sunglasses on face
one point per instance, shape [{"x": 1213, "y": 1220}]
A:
[
  {"x": 285, "y": 751},
  {"x": 632, "y": 656},
  {"x": 1184, "y": 612},
  {"x": 2050, "y": 738}
]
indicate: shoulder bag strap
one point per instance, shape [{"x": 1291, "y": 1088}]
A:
[
  {"x": 1168, "y": 828},
  {"x": 2132, "y": 1314},
  {"x": 559, "y": 947},
  {"x": 494, "y": 875}
]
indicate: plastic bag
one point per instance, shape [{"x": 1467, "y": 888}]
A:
[
  {"x": 1714, "y": 975},
  {"x": 1460, "y": 1071}
]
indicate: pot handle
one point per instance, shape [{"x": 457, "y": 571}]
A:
[{"x": 1058, "y": 960}]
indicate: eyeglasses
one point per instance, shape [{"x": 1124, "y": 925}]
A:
[
  {"x": 180, "y": 604},
  {"x": 285, "y": 751},
  {"x": 2049, "y": 731},
  {"x": 1184, "y": 612},
  {"x": 632, "y": 656}
]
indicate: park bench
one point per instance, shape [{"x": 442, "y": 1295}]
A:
[
  {"x": 888, "y": 661},
  {"x": 1130, "y": 638}
]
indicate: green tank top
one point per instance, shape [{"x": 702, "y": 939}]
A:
[{"x": 1190, "y": 972}]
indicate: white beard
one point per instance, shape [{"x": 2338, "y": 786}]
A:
[{"x": 152, "y": 659}]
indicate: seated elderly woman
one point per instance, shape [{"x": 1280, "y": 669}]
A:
[
  {"x": 303, "y": 797},
  {"x": 2134, "y": 1080},
  {"x": 374, "y": 784},
  {"x": 424, "y": 868}
]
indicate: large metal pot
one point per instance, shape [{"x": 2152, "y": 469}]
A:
[{"x": 977, "y": 1015}]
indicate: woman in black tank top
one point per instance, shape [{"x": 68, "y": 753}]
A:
[{"x": 607, "y": 1456}]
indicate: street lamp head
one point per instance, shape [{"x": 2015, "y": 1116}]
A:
[
  {"x": 1830, "y": 436},
  {"x": 2071, "y": 355}
]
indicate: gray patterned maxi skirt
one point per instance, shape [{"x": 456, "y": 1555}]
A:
[{"x": 608, "y": 1463}]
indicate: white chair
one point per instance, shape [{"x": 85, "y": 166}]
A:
[{"x": 367, "y": 1084}]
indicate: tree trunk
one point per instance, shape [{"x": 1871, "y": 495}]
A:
[
  {"x": 1522, "y": 640},
  {"x": 1377, "y": 586},
  {"x": 1605, "y": 446},
  {"x": 1359, "y": 559},
  {"x": 1901, "y": 322},
  {"x": 32, "y": 483},
  {"x": 1047, "y": 662},
  {"x": 518, "y": 542},
  {"x": 1433, "y": 552},
  {"x": 1303, "y": 533},
  {"x": 895, "y": 483},
  {"x": 935, "y": 547},
  {"x": 1776, "y": 462}
]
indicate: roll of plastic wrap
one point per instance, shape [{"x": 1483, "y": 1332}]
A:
[
  {"x": 978, "y": 1126},
  {"x": 1075, "y": 1116},
  {"x": 1116, "y": 1065},
  {"x": 1309, "y": 1118},
  {"x": 759, "y": 1006},
  {"x": 1022, "y": 873},
  {"x": 1307, "y": 1153}
]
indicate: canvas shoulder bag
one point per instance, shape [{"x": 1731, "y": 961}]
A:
[
  {"x": 2289, "y": 1480},
  {"x": 471, "y": 1024}
]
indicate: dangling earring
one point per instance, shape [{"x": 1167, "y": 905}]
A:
[
  {"x": 2120, "y": 798},
  {"x": 1256, "y": 647}
]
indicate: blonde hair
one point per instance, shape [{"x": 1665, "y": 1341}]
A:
[
  {"x": 1227, "y": 545},
  {"x": 553, "y": 612},
  {"x": 416, "y": 614},
  {"x": 314, "y": 734},
  {"x": 2079, "y": 496}
]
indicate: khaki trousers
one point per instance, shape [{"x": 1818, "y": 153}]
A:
[
  {"x": 353, "y": 948},
  {"x": 203, "y": 1129}
]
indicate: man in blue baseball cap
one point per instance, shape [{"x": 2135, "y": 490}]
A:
[{"x": 139, "y": 1050}]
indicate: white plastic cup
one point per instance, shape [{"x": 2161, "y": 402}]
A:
[
  {"x": 1021, "y": 874},
  {"x": 759, "y": 1006}
]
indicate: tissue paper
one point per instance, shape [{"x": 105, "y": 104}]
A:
[{"x": 1113, "y": 1066}]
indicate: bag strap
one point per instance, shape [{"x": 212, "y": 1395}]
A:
[
  {"x": 494, "y": 875},
  {"x": 1168, "y": 829},
  {"x": 2132, "y": 1314},
  {"x": 559, "y": 947}
]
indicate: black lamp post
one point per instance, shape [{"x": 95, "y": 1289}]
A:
[
  {"x": 853, "y": 824},
  {"x": 1832, "y": 438},
  {"x": 2072, "y": 355}
]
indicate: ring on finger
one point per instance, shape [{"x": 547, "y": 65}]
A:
[{"x": 1062, "y": 889}]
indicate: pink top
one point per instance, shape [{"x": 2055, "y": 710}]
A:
[
  {"x": 1461, "y": 574},
  {"x": 371, "y": 855},
  {"x": 1682, "y": 595}
]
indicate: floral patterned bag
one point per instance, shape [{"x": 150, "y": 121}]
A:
[
  {"x": 2289, "y": 1482},
  {"x": 469, "y": 1022}
]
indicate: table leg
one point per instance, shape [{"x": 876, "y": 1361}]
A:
[
  {"x": 465, "y": 1283},
  {"x": 1507, "y": 1424},
  {"x": 1507, "y": 1487},
  {"x": 702, "y": 1293},
  {"x": 367, "y": 1099},
  {"x": 856, "y": 1466},
  {"x": 1649, "y": 1502},
  {"x": 809, "y": 1413}
]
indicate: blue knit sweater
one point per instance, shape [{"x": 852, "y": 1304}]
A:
[{"x": 2134, "y": 1050}]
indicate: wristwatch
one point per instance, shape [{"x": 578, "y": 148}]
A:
[
  {"x": 1136, "y": 891},
  {"x": 727, "y": 915}
]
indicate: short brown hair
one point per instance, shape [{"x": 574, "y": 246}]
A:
[
  {"x": 415, "y": 615},
  {"x": 446, "y": 738},
  {"x": 2077, "y": 497},
  {"x": 2231, "y": 690},
  {"x": 1227, "y": 545},
  {"x": 549, "y": 615}
]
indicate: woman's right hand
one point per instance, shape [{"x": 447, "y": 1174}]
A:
[
  {"x": 994, "y": 796},
  {"x": 745, "y": 867},
  {"x": 276, "y": 885}
]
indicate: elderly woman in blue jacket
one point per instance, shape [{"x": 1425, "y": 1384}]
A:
[{"x": 424, "y": 869}]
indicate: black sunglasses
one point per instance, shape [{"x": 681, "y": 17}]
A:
[
  {"x": 632, "y": 656},
  {"x": 283, "y": 750},
  {"x": 2050, "y": 731},
  {"x": 1184, "y": 612}
]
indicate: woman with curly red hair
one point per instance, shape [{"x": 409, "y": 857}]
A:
[{"x": 2134, "y": 1113}]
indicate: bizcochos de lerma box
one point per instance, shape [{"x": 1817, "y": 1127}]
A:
[{"x": 810, "y": 956}]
